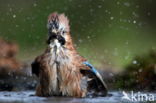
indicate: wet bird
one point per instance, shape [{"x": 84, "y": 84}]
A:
[{"x": 60, "y": 69}]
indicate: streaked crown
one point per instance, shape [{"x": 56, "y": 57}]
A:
[{"x": 58, "y": 23}]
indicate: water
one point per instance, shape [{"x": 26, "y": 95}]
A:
[{"x": 28, "y": 97}]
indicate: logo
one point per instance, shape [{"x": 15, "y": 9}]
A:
[{"x": 137, "y": 97}]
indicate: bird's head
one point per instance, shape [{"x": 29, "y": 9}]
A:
[{"x": 58, "y": 30}]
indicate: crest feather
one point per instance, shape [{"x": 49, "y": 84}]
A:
[
  {"x": 64, "y": 20},
  {"x": 61, "y": 19},
  {"x": 52, "y": 16}
]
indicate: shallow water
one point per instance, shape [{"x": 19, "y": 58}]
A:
[{"x": 27, "y": 97}]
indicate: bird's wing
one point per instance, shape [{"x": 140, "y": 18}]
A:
[
  {"x": 97, "y": 79},
  {"x": 36, "y": 65},
  {"x": 35, "y": 68}
]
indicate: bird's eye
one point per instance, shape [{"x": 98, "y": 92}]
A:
[{"x": 64, "y": 32}]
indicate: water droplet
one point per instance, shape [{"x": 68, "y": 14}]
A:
[
  {"x": 140, "y": 70},
  {"x": 148, "y": 13},
  {"x": 127, "y": 4},
  {"x": 100, "y": 6},
  {"x": 88, "y": 37},
  {"x": 111, "y": 18},
  {"x": 134, "y": 21},
  {"x": 14, "y": 16},
  {"x": 10, "y": 9},
  {"x": 80, "y": 40},
  {"x": 34, "y": 4},
  {"x": 127, "y": 43},
  {"x": 118, "y": 3},
  {"x": 134, "y": 62},
  {"x": 17, "y": 26}
]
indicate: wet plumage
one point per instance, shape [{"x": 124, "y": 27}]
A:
[{"x": 60, "y": 69}]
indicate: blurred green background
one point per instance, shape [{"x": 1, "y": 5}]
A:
[{"x": 107, "y": 32}]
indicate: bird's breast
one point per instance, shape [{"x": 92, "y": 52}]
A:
[
  {"x": 65, "y": 76},
  {"x": 59, "y": 64}
]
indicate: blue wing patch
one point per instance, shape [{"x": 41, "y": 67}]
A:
[{"x": 91, "y": 67}]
